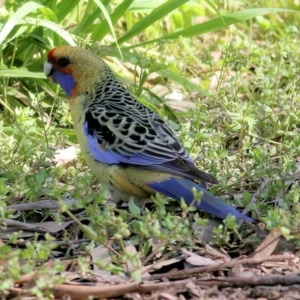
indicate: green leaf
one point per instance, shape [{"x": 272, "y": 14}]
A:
[
  {"x": 155, "y": 15},
  {"x": 107, "y": 17},
  {"x": 134, "y": 209},
  {"x": 16, "y": 17},
  {"x": 88, "y": 231},
  {"x": 136, "y": 275},
  {"x": 213, "y": 6},
  {"x": 18, "y": 73},
  {"x": 92, "y": 13},
  {"x": 19, "y": 32},
  {"x": 54, "y": 27},
  {"x": 145, "y": 6},
  {"x": 182, "y": 81},
  {"x": 147, "y": 247},
  {"x": 63, "y": 8},
  {"x": 215, "y": 24},
  {"x": 103, "y": 28}
]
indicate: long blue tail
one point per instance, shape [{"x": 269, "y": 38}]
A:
[{"x": 178, "y": 188}]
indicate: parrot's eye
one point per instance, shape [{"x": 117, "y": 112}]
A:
[{"x": 63, "y": 62}]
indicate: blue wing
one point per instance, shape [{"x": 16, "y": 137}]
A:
[{"x": 123, "y": 131}]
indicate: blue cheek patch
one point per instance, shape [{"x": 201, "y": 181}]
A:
[{"x": 66, "y": 81}]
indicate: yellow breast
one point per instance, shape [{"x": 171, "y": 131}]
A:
[{"x": 78, "y": 112}]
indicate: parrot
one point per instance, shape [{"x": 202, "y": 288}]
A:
[{"x": 128, "y": 146}]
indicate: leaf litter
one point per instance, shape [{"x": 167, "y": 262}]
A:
[{"x": 207, "y": 273}]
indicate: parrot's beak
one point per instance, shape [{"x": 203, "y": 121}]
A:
[{"x": 48, "y": 70}]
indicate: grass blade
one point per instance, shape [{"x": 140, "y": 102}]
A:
[
  {"x": 64, "y": 8},
  {"x": 216, "y": 24},
  {"x": 18, "y": 73},
  {"x": 103, "y": 28},
  {"x": 54, "y": 27},
  {"x": 155, "y": 15},
  {"x": 16, "y": 17},
  {"x": 182, "y": 81},
  {"x": 214, "y": 8},
  {"x": 107, "y": 17}
]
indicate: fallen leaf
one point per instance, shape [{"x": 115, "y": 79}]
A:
[
  {"x": 174, "y": 96},
  {"x": 268, "y": 245},
  {"x": 206, "y": 232},
  {"x": 197, "y": 260},
  {"x": 101, "y": 252},
  {"x": 215, "y": 253},
  {"x": 65, "y": 156},
  {"x": 68, "y": 264},
  {"x": 52, "y": 226},
  {"x": 6, "y": 233},
  {"x": 183, "y": 106},
  {"x": 158, "y": 265}
]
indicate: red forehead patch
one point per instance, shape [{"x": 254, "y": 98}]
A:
[{"x": 50, "y": 55}]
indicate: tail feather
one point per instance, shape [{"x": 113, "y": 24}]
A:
[{"x": 178, "y": 188}]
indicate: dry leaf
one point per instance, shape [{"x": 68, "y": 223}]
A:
[
  {"x": 27, "y": 230},
  {"x": 52, "y": 226},
  {"x": 215, "y": 253},
  {"x": 268, "y": 245},
  {"x": 197, "y": 260},
  {"x": 206, "y": 232},
  {"x": 69, "y": 264},
  {"x": 174, "y": 96},
  {"x": 74, "y": 278},
  {"x": 164, "y": 263},
  {"x": 42, "y": 204},
  {"x": 240, "y": 271},
  {"x": 101, "y": 252},
  {"x": 6, "y": 233},
  {"x": 160, "y": 90},
  {"x": 65, "y": 156}
]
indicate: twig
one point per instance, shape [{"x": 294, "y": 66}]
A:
[
  {"x": 23, "y": 226},
  {"x": 46, "y": 204},
  {"x": 230, "y": 264},
  {"x": 78, "y": 292},
  {"x": 222, "y": 282},
  {"x": 251, "y": 281},
  {"x": 83, "y": 291}
]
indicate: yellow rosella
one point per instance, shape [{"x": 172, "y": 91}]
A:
[{"x": 128, "y": 146}]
